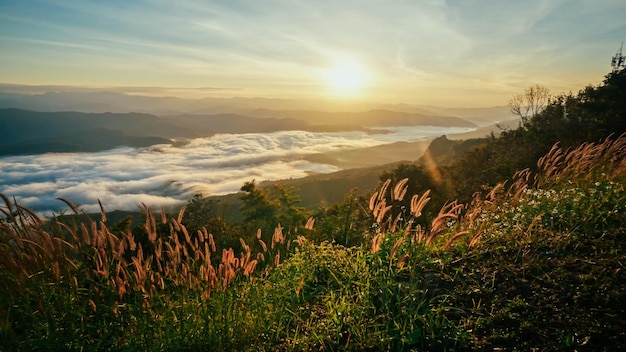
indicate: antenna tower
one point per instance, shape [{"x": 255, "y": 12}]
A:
[{"x": 618, "y": 61}]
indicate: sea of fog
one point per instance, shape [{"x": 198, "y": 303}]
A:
[{"x": 170, "y": 175}]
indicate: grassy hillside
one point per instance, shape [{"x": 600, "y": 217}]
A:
[{"x": 534, "y": 260}]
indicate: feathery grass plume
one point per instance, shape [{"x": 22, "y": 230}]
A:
[
  {"x": 381, "y": 210},
  {"x": 383, "y": 189},
  {"x": 228, "y": 256},
  {"x": 186, "y": 233},
  {"x": 454, "y": 238},
  {"x": 378, "y": 202},
  {"x": 402, "y": 261},
  {"x": 263, "y": 245},
  {"x": 250, "y": 268},
  {"x": 202, "y": 234},
  {"x": 212, "y": 243},
  {"x": 593, "y": 160},
  {"x": 376, "y": 242},
  {"x": 448, "y": 212},
  {"x": 372, "y": 202},
  {"x": 102, "y": 212},
  {"x": 397, "y": 220},
  {"x": 245, "y": 247},
  {"x": 418, "y": 203},
  {"x": 310, "y": 223},
  {"x": 491, "y": 196},
  {"x": 9, "y": 208},
  {"x": 520, "y": 184},
  {"x": 69, "y": 204},
  {"x": 181, "y": 214},
  {"x": 399, "y": 191},
  {"x": 394, "y": 249},
  {"x": 244, "y": 259},
  {"x": 278, "y": 236},
  {"x": 150, "y": 224}
]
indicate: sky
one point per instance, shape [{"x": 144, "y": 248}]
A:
[{"x": 441, "y": 52}]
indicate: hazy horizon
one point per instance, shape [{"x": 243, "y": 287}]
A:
[{"x": 430, "y": 52}]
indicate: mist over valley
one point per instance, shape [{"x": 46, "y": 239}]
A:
[{"x": 125, "y": 159}]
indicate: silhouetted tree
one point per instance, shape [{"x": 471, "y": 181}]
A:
[{"x": 530, "y": 103}]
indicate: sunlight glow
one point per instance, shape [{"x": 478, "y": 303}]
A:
[{"x": 346, "y": 77}]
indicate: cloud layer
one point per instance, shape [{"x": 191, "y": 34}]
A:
[{"x": 168, "y": 176}]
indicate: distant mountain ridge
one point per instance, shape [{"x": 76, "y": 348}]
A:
[
  {"x": 370, "y": 118},
  {"x": 117, "y": 100},
  {"x": 27, "y": 132}
]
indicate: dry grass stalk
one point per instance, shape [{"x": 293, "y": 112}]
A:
[
  {"x": 418, "y": 203},
  {"x": 396, "y": 245},
  {"x": 588, "y": 161},
  {"x": 402, "y": 261},
  {"x": 395, "y": 223},
  {"x": 263, "y": 245},
  {"x": 181, "y": 213},
  {"x": 278, "y": 236},
  {"x": 453, "y": 239},
  {"x": 399, "y": 191},
  {"x": 376, "y": 242},
  {"x": 117, "y": 261},
  {"x": 593, "y": 160},
  {"x": 448, "y": 212},
  {"x": 310, "y": 223},
  {"x": 245, "y": 247},
  {"x": 250, "y": 268}
]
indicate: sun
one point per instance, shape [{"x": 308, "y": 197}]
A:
[{"x": 346, "y": 77}]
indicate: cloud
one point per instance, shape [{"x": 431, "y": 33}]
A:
[{"x": 168, "y": 176}]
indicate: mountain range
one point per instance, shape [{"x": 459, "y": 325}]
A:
[{"x": 32, "y": 132}]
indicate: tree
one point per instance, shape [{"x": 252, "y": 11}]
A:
[
  {"x": 259, "y": 210},
  {"x": 530, "y": 103},
  {"x": 267, "y": 208},
  {"x": 346, "y": 223}
]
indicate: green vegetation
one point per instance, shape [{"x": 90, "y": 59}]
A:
[{"x": 526, "y": 260}]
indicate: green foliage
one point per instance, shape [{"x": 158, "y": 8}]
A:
[
  {"x": 548, "y": 271},
  {"x": 591, "y": 116},
  {"x": 345, "y": 223},
  {"x": 267, "y": 208},
  {"x": 328, "y": 297}
]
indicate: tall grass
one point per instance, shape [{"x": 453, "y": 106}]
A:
[
  {"x": 78, "y": 284},
  {"x": 545, "y": 265}
]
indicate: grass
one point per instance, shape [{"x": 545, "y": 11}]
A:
[{"x": 536, "y": 264}]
